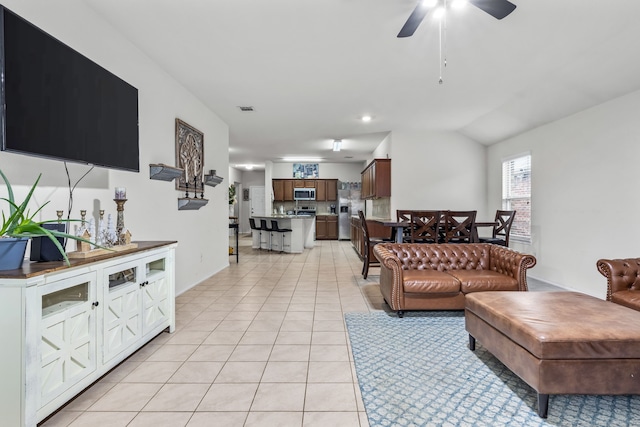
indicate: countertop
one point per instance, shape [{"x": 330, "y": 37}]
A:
[{"x": 326, "y": 214}]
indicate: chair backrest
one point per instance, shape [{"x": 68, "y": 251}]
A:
[
  {"x": 502, "y": 228},
  {"x": 365, "y": 231},
  {"x": 405, "y": 216},
  {"x": 252, "y": 224},
  {"x": 263, "y": 225},
  {"x": 425, "y": 226},
  {"x": 459, "y": 226}
]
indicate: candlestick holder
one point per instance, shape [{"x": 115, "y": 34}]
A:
[{"x": 120, "y": 218}]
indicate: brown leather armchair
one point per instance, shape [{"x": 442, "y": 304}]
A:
[{"x": 623, "y": 280}]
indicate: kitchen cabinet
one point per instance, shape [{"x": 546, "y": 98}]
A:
[
  {"x": 288, "y": 190},
  {"x": 278, "y": 190},
  {"x": 326, "y": 227},
  {"x": 376, "y": 179},
  {"x": 304, "y": 183},
  {"x": 326, "y": 190},
  {"x": 70, "y": 325},
  {"x": 282, "y": 190}
]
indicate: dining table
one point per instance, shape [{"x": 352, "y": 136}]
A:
[{"x": 397, "y": 227}]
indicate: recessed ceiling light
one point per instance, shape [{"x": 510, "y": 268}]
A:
[
  {"x": 366, "y": 118},
  {"x": 249, "y": 167},
  {"x": 337, "y": 144}
]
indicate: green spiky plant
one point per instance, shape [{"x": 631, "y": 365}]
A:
[{"x": 20, "y": 222}]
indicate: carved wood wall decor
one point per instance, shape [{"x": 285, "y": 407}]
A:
[{"x": 189, "y": 156}]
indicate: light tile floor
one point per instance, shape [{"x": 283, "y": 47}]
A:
[{"x": 262, "y": 343}]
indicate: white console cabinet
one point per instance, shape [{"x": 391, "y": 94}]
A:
[{"x": 63, "y": 327}]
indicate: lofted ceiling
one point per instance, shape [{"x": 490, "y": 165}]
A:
[{"x": 311, "y": 69}]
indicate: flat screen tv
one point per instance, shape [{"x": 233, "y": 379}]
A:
[{"x": 56, "y": 103}]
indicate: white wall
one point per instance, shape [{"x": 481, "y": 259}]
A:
[
  {"x": 151, "y": 211},
  {"x": 584, "y": 191},
  {"x": 437, "y": 170}
]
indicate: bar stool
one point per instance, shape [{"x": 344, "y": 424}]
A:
[
  {"x": 254, "y": 227},
  {"x": 276, "y": 229},
  {"x": 263, "y": 227}
]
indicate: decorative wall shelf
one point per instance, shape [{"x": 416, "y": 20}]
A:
[
  {"x": 189, "y": 204},
  {"x": 212, "y": 179},
  {"x": 164, "y": 172}
]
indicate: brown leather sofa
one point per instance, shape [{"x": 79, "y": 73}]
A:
[
  {"x": 623, "y": 280},
  {"x": 437, "y": 276}
]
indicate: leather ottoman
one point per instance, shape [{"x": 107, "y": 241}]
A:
[{"x": 559, "y": 342}]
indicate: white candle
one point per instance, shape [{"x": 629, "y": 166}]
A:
[{"x": 121, "y": 193}]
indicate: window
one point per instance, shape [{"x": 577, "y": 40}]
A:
[{"x": 516, "y": 194}]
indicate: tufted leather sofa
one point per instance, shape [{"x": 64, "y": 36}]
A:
[
  {"x": 437, "y": 276},
  {"x": 623, "y": 280}
]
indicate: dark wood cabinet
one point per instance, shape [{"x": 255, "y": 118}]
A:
[
  {"x": 332, "y": 190},
  {"x": 282, "y": 190},
  {"x": 321, "y": 190},
  {"x": 287, "y": 185},
  {"x": 326, "y": 227},
  {"x": 278, "y": 190},
  {"x": 326, "y": 189},
  {"x": 376, "y": 179}
]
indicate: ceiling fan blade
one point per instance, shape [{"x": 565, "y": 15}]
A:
[
  {"x": 414, "y": 20},
  {"x": 496, "y": 8}
]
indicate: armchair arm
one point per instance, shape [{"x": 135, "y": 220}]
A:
[
  {"x": 621, "y": 274},
  {"x": 391, "y": 277},
  {"x": 511, "y": 263}
]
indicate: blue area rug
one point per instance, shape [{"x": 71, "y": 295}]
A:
[{"x": 419, "y": 371}]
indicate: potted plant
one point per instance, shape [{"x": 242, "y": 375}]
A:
[{"x": 18, "y": 226}]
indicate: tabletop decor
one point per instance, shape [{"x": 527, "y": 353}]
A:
[{"x": 18, "y": 226}]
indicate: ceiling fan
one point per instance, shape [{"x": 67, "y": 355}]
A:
[{"x": 496, "y": 8}]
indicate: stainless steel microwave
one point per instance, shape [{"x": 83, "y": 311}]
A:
[{"x": 304, "y": 194}]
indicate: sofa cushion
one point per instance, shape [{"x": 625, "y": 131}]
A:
[
  {"x": 629, "y": 298},
  {"x": 429, "y": 281},
  {"x": 483, "y": 280}
]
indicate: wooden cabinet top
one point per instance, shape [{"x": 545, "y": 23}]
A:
[{"x": 32, "y": 269}]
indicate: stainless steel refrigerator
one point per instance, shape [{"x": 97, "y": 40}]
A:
[{"x": 349, "y": 204}]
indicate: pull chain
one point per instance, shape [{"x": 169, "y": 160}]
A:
[{"x": 442, "y": 26}]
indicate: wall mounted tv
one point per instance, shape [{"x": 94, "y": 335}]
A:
[{"x": 56, "y": 103}]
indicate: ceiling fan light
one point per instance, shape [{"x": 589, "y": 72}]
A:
[
  {"x": 337, "y": 144},
  {"x": 429, "y": 3},
  {"x": 438, "y": 13},
  {"x": 366, "y": 119}
]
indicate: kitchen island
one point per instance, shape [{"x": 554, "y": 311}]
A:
[{"x": 302, "y": 233}]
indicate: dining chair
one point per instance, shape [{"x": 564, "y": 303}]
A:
[
  {"x": 403, "y": 215},
  {"x": 369, "y": 243},
  {"x": 459, "y": 227},
  {"x": 425, "y": 226},
  {"x": 501, "y": 228}
]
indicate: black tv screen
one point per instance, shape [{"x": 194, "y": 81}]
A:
[{"x": 59, "y": 104}]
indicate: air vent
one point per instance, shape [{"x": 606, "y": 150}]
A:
[{"x": 245, "y": 109}]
